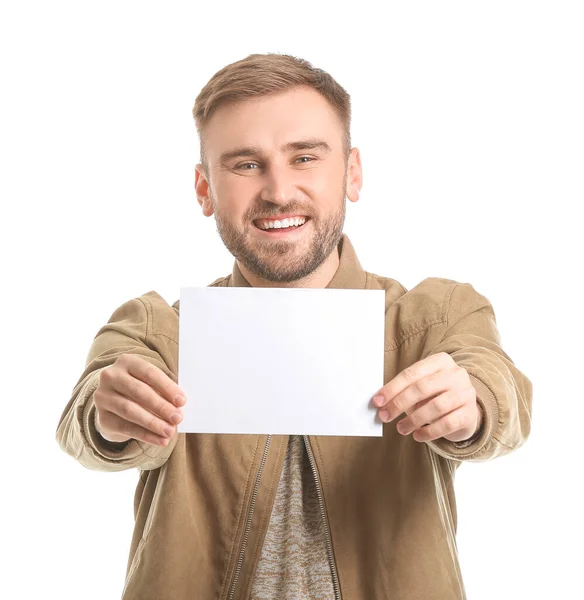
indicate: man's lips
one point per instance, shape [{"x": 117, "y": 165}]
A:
[
  {"x": 285, "y": 226},
  {"x": 294, "y": 220},
  {"x": 282, "y": 217}
]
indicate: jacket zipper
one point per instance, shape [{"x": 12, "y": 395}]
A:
[
  {"x": 249, "y": 518},
  {"x": 329, "y": 545}
]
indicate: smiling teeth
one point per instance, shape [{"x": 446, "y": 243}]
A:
[{"x": 295, "y": 222}]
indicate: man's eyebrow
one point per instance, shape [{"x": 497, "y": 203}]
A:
[{"x": 307, "y": 144}]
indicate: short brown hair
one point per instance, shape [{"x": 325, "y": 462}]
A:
[{"x": 265, "y": 74}]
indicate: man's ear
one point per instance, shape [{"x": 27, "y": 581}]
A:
[
  {"x": 354, "y": 175},
  {"x": 202, "y": 190}
]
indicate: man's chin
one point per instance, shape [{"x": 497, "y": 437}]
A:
[
  {"x": 278, "y": 245},
  {"x": 289, "y": 265}
]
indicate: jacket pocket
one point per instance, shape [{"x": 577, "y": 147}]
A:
[
  {"x": 134, "y": 565},
  {"x": 139, "y": 493},
  {"x": 153, "y": 505}
]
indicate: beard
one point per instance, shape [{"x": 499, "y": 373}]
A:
[{"x": 282, "y": 261}]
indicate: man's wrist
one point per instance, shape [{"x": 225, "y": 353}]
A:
[
  {"x": 104, "y": 440},
  {"x": 480, "y": 421},
  {"x": 478, "y": 428}
]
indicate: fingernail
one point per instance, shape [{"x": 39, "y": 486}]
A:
[
  {"x": 384, "y": 415},
  {"x": 402, "y": 428},
  {"x": 175, "y": 417},
  {"x": 378, "y": 400},
  {"x": 167, "y": 431},
  {"x": 179, "y": 400}
]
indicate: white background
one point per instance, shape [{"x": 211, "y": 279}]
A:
[{"x": 470, "y": 122}]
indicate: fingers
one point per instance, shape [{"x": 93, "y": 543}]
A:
[
  {"x": 156, "y": 378},
  {"x": 414, "y": 375},
  {"x": 445, "y": 426},
  {"x": 136, "y": 392},
  {"x": 429, "y": 412},
  {"x": 410, "y": 396},
  {"x": 150, "y": 414},
  {"x": 112, "y": 422},
  {"x": 437, "y": 397},
  {"x": 135, "y": 399}
]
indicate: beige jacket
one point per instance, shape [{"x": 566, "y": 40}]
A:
[{"x": 202, "y": 504}]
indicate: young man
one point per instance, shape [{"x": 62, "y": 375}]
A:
[{"x": 276, "y": 516}]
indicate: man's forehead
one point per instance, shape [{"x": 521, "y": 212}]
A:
[{"x": 274, "y": 121}]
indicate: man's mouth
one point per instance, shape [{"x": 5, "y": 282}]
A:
[{"x": 278, "y": 225}]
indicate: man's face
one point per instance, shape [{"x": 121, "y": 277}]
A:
[{"x": 269, "y": 158}]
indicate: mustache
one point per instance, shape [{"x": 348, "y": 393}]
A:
[{"x": 281, "y": 210}]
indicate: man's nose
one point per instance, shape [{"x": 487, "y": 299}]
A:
[{"x": 278, "y": 187}]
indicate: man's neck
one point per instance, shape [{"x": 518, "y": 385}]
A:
[{"x": 317, "y": 279}]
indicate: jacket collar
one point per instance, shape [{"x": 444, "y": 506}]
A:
[{"x": 349, "y": 275}]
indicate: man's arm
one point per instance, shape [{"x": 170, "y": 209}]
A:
[
  {"x": 504, "y": 393},
  {"x": 125, "y": 333}
]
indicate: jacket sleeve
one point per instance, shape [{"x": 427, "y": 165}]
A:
[
  {"x": 125, "y": 333},
  {"x": 471, "y": 338}
]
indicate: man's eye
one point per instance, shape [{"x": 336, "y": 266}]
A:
[{"x": 246, "y": 165}]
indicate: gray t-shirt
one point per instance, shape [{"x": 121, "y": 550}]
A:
[{"x": 293, "y": 564}]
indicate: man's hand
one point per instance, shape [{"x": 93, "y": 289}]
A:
[
  {"x": 438, "y": 397},
  {"x": 136, "y": 399}
]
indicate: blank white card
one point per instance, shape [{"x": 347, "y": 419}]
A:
[{"x": 281, "y": 361}]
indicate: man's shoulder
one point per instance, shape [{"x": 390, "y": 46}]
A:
[
  {"x": 426, "y": 304},
  {"x": 221, "y": 281},
  {"x": 440, "y": 295},
  {"x": 160, "y": 316},
  {"x": 432, "y": 290}
]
